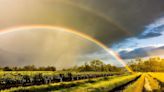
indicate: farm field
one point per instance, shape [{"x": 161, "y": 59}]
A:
[
  {"x": 96, "y": 82},
  {"x": 81, "y": 45}
]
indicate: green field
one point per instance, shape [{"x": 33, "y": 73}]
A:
[{"x": 148, "y": 82}]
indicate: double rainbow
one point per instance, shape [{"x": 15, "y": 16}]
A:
[{"x": 85, "y": 36}]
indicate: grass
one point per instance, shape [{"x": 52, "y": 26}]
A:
[
  {"x": 153, "y": 83},
  {"x": 54, "y": 86},
  {"x": 158, "y": 76},
  {"x": 12, "y": 74},
  {"x": 138, "y": 85},
  {"x": 102, "y": 86}
]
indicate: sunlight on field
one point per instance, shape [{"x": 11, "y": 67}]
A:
[
  {"x": 135, "y": 86},
  {"x": 139, "y": 81},
  {"x": 158, "y": 76}
]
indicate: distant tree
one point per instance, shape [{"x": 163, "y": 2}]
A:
[
  {"x": 7, "y": 68},
  {"x": 41, "y": 69},
  {"x": 50, "y": 68},
  {"x": 1, "y": 68},
  {"x": 96, "y": 65},
  {"x": 29, "y": 68},
  {"x": 153, "y": 64}
]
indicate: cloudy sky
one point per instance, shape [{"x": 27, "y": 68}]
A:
[
  {"x": 131, "y": 28},
  {"x": 148, "y": 43}
]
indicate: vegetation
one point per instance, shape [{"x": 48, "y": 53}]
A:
[
  {"x": 94, "y": 76},
  {"x": 154, "y": 64},
  {"x": 112, "y": 80},
  {"x": 158, "y": 76},
  {"x": 138, "y": 85},
  {"x": 28, "y": 68},
  {"x": 103, "y": 86},
  {"x": 99, "y": 84},
  {"x": 10, "y": 79},
  {"x": 95, "y": 65},
  {"x": 154, "y": 85},
  {"x": 45, "y": 88}
]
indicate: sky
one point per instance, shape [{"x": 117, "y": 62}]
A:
[
  {"x": 131, "y": 28},
  {"x": 150, "y": 42}
]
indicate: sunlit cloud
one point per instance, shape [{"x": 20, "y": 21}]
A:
[{"x": 142, "y": 45}]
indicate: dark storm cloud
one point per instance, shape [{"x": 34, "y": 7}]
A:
[
  {"x": 109, "y": 21},
  {"x": 105, "y": 20},
  {"x": 44, "y": 47},
  {"x": 133, "y": 15}
]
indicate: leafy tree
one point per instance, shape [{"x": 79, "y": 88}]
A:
[
  {"x": 154, "y": 64},
  {"x": 7, "y": 68}
]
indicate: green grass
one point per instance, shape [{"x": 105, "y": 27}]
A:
[
  {"x": 54, "y": 86},
  {"x": 12, "y": 74},
  {"x": 102, "y": 86},
  {"x": 136, "y": 86}
]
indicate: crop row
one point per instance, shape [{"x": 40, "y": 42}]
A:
[
  {"x": 9, "y": 80},
  {"x": 148, "y": 82},
  {"x": 158, "y": 76},
  {"x": 104, "y": 83},
  {"x": 138, "y": 85}
]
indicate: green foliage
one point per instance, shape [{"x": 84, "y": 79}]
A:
[
  {"x": 155, "y": 64},
  {"x": 136, "y": 86},
  {"x": 29, "y": 68},
  {"x": 52, "y": 86},
  {"x": 103, "y": 85},
  {"x": 96, "y": 66}
]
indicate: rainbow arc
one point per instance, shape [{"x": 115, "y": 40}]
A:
[{"x": 85, "y": 36}]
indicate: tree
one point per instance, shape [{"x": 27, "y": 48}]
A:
[
  {"x": 7, "y": 68},
  {"x": 50, "y": 68},
  {"x": 96, "y": 65},
  {"x": 153, "y": 64},
  {"x": 29, "y": 68}
]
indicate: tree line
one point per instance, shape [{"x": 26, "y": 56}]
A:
[
  {"x": 29, "y": 68},
  {"x": 153, "y": 64},
  {"x": 95, "y": 66}
]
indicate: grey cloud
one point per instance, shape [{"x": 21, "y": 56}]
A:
[
  {"x": 142, "y": 52},
  {"x": 149, "y": 35},
  {"x": 97, "y": 18},
  {"x": 152, "y": 32},
  {"x": 106, "y": 20},
  {"x": 43, "y": 47}
]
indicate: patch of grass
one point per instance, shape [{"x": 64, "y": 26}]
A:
[
  {"x": 103, "y": 85},
  {"x": 159, "y": 76},
  {"x": 153, "y": 83},
  {"x": 136, "y": 86}
]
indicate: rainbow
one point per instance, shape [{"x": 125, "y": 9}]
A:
[
  {"x": 85, "y": 36},
  {"x": 107, "y": 18}
]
